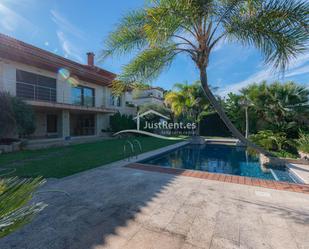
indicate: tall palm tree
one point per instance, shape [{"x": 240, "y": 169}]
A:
[{"x": 166, "y": 28}]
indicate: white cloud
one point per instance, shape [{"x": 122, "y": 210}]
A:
[
  {"x": 10, "y": 20},
  {"x": 300, "y": 60},
  {"x": 65, "y": 25},
  {"x": 46, "y": 43},
  {"x": 68, "y": 34},
  {"x": 68, "y": 48},
  {"x": 298, "y": 71},
  {"x": 257, "y": 77},
  {"x": 296, "y": 67}
]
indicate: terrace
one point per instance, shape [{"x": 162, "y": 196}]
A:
[
  {"x": 166, "y": 190},
  {"x": 120, "y": 207}
]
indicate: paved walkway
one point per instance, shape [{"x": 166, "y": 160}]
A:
[
  {"x": 301, "y": 170},
  {"x": 132, "y": 209}
]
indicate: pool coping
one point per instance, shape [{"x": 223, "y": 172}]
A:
[{"x": 278, "y": 185}]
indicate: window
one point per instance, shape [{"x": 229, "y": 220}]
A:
[
  {"x": 82, "y": 95},
  {"x": 35, "y": 87},
  {"x": 115, "y": 100},
  {"x": 88, "y": 97},
  {"x": 51, "y": 123},
  {"x": 77, "y": 96}
]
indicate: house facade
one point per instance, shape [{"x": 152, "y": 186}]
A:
[
  {"x": 69, "y": 99},
  {"x": 152, "y": 95}
]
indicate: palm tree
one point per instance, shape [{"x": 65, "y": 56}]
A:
[
  {"x": 187, "y": 102},
  {"x": 283, "y": 107},
  {"x": 166, "y": 28},
  {"x": 246, "y": 103},
  {"x": 15, "y": 207}
]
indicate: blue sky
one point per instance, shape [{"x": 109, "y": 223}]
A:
[{"x": 72, "y": 28}]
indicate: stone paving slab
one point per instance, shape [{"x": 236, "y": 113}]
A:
[
  {"x": 301, "y": 170},
  {"x": 124, "y": 208},
  {"x": 293, "y": 187}
]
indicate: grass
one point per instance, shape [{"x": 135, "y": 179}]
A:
[{"x": 64, "y": 161}]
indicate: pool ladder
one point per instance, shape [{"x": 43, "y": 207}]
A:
[{"x": 132, "y": 152}]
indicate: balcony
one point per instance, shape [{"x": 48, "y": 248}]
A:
[{"x": 35, "y": 92}]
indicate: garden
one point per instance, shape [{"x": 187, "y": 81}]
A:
[{"x": 272, "y": 118}]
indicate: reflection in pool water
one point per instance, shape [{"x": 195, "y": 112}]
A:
[{"x": 225, "y": 159}]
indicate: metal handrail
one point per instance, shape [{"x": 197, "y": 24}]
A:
[
  {"x": 125, "y": 150},
  {"x": 135, "y": 141},
  {"x": 50, "y": 91}
]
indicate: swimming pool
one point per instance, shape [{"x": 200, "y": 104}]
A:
[{"x": 225, "y": 159}]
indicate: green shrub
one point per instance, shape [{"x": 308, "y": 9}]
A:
[
  {"x": 303, "y": 142},
  {"x": 119, "y": 122},
  {"x": 16, "y": 117},
  {"x": 24, "y": 117},
  {"x": 7, "y": 120},
  {"x": 276, "y": 142}
]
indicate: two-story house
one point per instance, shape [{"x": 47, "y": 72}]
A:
[
  {"x": 69, "y": 99},
  {"x": 152, "y": 95}
]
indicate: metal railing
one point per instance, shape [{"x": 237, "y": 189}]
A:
[
  {"x": 138, "y": 143},
  {"x": 133, "y": 152},
  {"x": 127, "y": 142},
  {"x": 35, "y": 92}
]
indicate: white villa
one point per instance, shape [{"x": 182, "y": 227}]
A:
[
  {"x": 69, "y": 99},
  {"x": 153, "y": 95}
]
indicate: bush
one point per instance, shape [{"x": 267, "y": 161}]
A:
[
  {"x": 119, "y": 122},
  {"x": 276, "y": 142},
  {"x": 24, "y": 117},
  {"x": 16, "y": 117},
  {"x": 303, "y": 142},
  {"x": 7, "y": 120}
]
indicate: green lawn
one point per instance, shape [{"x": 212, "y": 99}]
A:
[{"x": 63, "y": 161}]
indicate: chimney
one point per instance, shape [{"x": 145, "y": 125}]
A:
[{"x": 90, "y": 57}]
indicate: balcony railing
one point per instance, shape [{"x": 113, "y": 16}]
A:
[{"x": 35, "y": 92}]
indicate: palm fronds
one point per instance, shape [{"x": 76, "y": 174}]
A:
[{"x": 15, "y": 210}]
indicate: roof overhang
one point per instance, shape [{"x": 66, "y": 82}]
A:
[{"x": 18, "y": 51}]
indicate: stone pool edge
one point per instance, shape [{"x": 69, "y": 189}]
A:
[{"x": 278, "y": 185}]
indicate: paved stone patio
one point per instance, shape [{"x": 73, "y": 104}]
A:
[
  {"x": 272, "y": 184},
  {"x": 132, "y": 209}
]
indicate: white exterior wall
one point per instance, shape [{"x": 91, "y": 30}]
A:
[
  {"x": 150, "y": 100},
  {"x": 65, "y": 128},
  {"x": 123, "y": 109},
  {"x": 64, "y": 89},
  {"x": 8, "y": 77},
  {"x": 8, "y": 82},
  {"x": 142, "y": 97}
]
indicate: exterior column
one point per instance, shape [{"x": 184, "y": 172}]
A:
[
  {"x": 65, "y": 124},
  {"x": 102, "y": 123},
  {"x": 99, "y": 124}
]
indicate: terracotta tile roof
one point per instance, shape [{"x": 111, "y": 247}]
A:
[{"x": 22, "y": 52}]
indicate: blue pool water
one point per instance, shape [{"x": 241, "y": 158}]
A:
[{"x": 225, "y": 159}]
